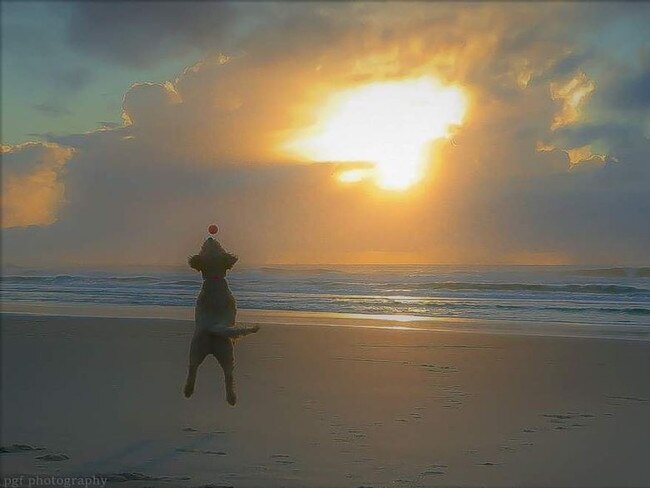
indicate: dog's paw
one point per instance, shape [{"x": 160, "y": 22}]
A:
[
  {"x": 188, "y": 390},
  {"x": 231, "y": 397}
]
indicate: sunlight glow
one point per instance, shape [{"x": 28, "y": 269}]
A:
[{"x": 389, "y": 124}]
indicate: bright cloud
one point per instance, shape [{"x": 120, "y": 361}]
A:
[
  {"x": 33, "y": 190},
  {"x": 572, "y": 95},
  {"x": 390, "y": 124}
]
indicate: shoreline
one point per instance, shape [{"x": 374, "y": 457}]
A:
[{"x": 347, "y": 320}]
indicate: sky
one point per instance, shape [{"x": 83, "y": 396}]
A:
[{"x": 380, "y": 132}]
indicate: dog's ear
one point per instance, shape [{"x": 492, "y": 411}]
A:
[
  {"x": 230, "y": 260},
  {"x": 195, "y": 262}
]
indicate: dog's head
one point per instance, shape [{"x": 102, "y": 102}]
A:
[{"x": 212, "y": 259}]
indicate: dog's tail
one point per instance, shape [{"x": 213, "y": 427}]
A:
[{"x": 239, "y": 331}]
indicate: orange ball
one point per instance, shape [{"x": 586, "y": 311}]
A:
[{"x": 213, "y": 229}]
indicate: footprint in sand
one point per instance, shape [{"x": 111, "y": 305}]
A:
[
  {"x": 53, "y": 457},
  {"x": 516, "y": 442},
  {"x": 364, "y": 460},
  {"x": 569, "y": 420},
  {"x": 356, "y": 433},
  {"x": 19, "y": 448},
  {"x": 283, "y": 459},
  {"x": 435, "y": 470},
  {"x": 200, "y": 451},
  {"x": 436, "y": 368},
  {"x": 284, "y": 462},
  {"x": 624, "y": 400},
  {"x": 451, "y": 396},
  {"x": 348, "y": 435},
  {"x": 556, "y": 417}
]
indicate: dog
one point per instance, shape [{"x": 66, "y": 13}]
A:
[{"x": 214, "y": 315}]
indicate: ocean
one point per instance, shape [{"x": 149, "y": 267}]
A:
[{"x": 522, "y": 293}]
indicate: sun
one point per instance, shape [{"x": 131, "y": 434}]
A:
[{"x": 388, "y": 124}]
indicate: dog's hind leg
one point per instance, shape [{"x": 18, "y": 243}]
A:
[
  {"x": 200, "y": 348},
  {"x": 223, "y": 350}
]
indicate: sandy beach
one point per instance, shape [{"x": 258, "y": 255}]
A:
[{"x": 322, "y": 406}]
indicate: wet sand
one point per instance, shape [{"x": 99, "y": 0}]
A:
[{"x": 323, "y": 406}]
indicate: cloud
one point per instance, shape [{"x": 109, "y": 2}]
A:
[
  {"x": 583, "y": 154},
  {"x": 538, "y": 168},
  {"x": 572, "y": 95},
  {"x": 32, "y": 183},
  {"x": 108, "y": 125},
  {"x": 146, "y": 103}
]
